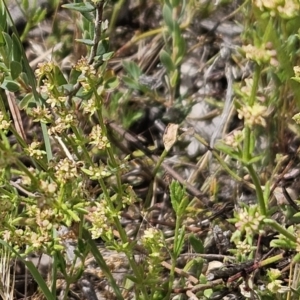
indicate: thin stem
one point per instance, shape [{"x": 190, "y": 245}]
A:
[
  {"x": 280, "y": 229},
  {"x": 120, "y": 229},
  {"x": 97, "y": 34},
  {"x": 258, "y": 189},
  {"x": 174, "y": 257},
  {"x": 248, "y": 131},
  {"x": 109, "y": 149}
]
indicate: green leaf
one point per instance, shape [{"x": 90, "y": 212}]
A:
[
  {"x": 15, "y": 69},
  {"x": 132, "y": 69},
  {"x": 87, "y": 42},
  {"x": 284, "y": 243},
  {"x": 296, "y": 258},
  {"x": 39, "y": 15},
  {"x": 3, "y": 67},
  {"x": 132, "y": 278},
  {"x": 196, "y": 244},
  {"x": 168, "y": 17},
  {"x": 102, "y": 48},
  {"x": 175, "y": 3},
  {"x": 59, "y": 77},
  {"x": 29, "y": 98},
  {"x": 89, "y": 16},
  {"x": 10, "y": 85},
  {"x": 24, "y": 77},
  {"x": 166, "y": 60},
  {"x": 195, "y": 267},
  {"x": 253, "y": 160},
  {"x": 25, "y": 4},
  {"x": 2, "y": 41},
  {"x": 3, "y": 17},
  {"x": 180, "y": 242},
  {"x": 73, "y": 215},
  {"x": 131, "y": 83},
  {"x": 67, "y": 88},
  {"x": 177, "y": 193},
  {"x": 8, "y": 45},
  {"x": 207, "y": 293},
  {"x": 174, "y": 78},
  {"x": 101, "y": 262},
  {"x": 107, "y": 56},
  {"x": 81, "y": 7},
  {"x": 228, "y": 150},
  {"x": 87, "y": 36},
  {"x": 111, "y": 83},
  {"x": 74, "y": 74}
]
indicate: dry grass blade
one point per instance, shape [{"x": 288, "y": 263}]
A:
[
  {"x": 6, "y": 282},
  {"x": 15, "y": 114}
]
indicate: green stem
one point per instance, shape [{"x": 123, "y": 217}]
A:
[
  {"x": 280, "y": 229},
  {"x": 79, "y": 137},
  {"x": 247, "y": 148},
  {"x": 173, "y": 258},
  {"x": 156, "y": 168},
  {"x": 226, "y": 167},
  {"x": 271, "y": 260},
  {"x": 252, "y": 98},
  {"x": 101, "y": 261},
  {"x": 120, "y": 229},
  {"x": 109, "y": 149},
  {"x": 259, "y": 192}
]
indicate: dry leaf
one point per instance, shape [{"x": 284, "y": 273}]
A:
[{"x": 170, "y": 136}]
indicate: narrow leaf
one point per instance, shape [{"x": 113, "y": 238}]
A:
[
  {"x": 168, "y": 18},
  {"x": 81, "y": 7},
  {"x": 166, "y": 60}
]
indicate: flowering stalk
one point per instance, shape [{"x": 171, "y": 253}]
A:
[
  {"x": 121, "y": 231},
  {"x": 248, "y": 136}
]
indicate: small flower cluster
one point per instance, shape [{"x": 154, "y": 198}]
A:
[
  {"x": 249, "y": 220},
  {"x": 6, "y": 208},
  {"x": 56, "y": 101},
  {"x": 48, "y": 188},
  {"x": 152, "y": 241},
  {"x": 253, "y": 115},
  {"x": 99, "y": 220},
  {"x": 260, "y": 55},
  {"x": 97, "y": 172},
  {"x": 26, "y": 236},
  {"x": 130, "y": 196},
  {"x": 41, "y": 114},
  {"x": 246, "y": 90},
  {"x": 34, "y": 238},
  {"x": 296, "y": 118},
  {"x": 44, "y": 69},
  {"x": 34, "y": 151},
  {"x": 88, "y": 73},
  {"x": 234, "y": 139},
  {"x": 4, "y": 123},
  {"x": 62, "y": 124},
  {"x": 89, "y": 107},
  {"x": 287, "y": 9},
  {"x": 98, "y": 139},
  {"x": 276, "y": 285},
  {"x": 297, "y": 74},
  {"x": 66, "y": 170},
  {"x": 244, "y": 248}
]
